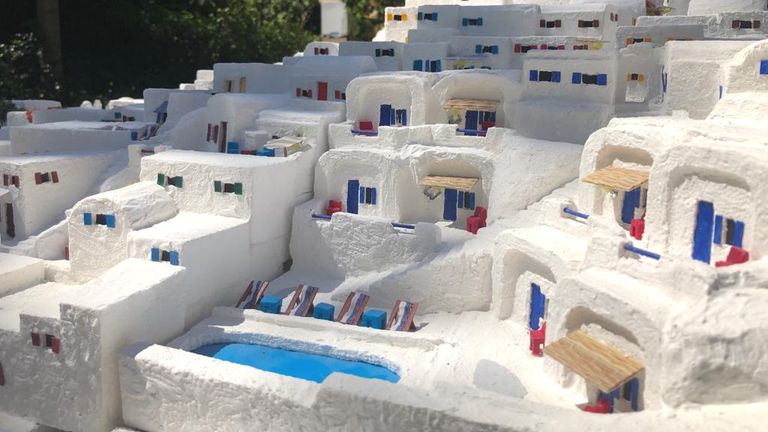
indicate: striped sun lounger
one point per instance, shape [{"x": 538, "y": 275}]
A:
[
  {"x": 353, "y": 308},
  {"x": 252, "y": 295},
  {"x": 302, "y": 301},
  {"x": 402, "y": 316}
]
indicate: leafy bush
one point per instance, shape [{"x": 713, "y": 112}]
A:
[{"x": 23, "y": 73}]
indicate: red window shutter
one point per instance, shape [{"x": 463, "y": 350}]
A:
[
  {"x": 54, "y": 176},
  {"x": 38, "y": 178},
  {"x": 35, "y": 339},
  {"x": 2, "y": 376},
  {"x": 542, "y": 23},
  {"x": 596, "y": 23},
  {"x": 55, "y": 345},
  {"x": 735, "y": 24},
  {"x": 558, "y": 23},
  {"x": 581, "y": 23},
  {"x": 208, "y": 135},
  {"x": 15, "y": 181},
  {"x": 518, "y": 48},
  {"x": 561, "y": 47},
  {"x": 544, "y": 46},
  {"x": 309, "y": 93},
  {"x": 317, "y": 51},
  {"x": 756, "y": 24},
  {"x": 337, "y": 94},
  {"x": 298, "y": 92},
  {"x": 6, "y": 179}
]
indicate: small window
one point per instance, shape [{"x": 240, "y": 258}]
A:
[
  {"x": 728, "y": 231},
  {"x": 107, "y": 220},
  {"x": 466, "y": 200},
  {"x": 545, "y": 76},
  {"x": 158, "y": 255},
  {"x": 763, "y": 67},
  {"x": 164, "y": 180},
  {"x": 589, "y": 24},
  {"x": 6, "y": 179},
  {"x": 471, "y": 22},
  {"x": 235, "y": 188},
  {"x": 368, "y": 195}
]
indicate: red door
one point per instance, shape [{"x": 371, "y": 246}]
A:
[
  {"x": 9, "y": 224},
  {"x": 322, "y": 91}
]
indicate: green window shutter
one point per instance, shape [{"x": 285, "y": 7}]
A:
[
  {"x": 161, "y": 179},
  {"x": 179, "y": 181},
  {"x": 238, "y": 188},
  {"x": 217, "y": 186}
]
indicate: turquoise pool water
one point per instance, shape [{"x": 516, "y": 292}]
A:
[{"x": 297, "y": 364}]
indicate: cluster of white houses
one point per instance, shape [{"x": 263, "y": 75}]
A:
[{"x": 518, "y": 160}]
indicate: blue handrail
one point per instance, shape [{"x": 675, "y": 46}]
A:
[
  {"x": 575, "y": 213},
  {"x": 394, "y": 224},
  {"x": 472, "y": 132},
  {"x": 364, "y": 132},
  {"x": 634, "y": 249}
]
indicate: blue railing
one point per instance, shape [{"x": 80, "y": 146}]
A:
[
  {"x": 394, "y": 224},
  {"x": 365, "y": 132},
  {"x": 634, "y": 249},
  {"x": 472, "y": 132},
  {"x": 575, "y": 213}
]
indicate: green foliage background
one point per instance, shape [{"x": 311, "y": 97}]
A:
[{"x": 113, "y": 48}]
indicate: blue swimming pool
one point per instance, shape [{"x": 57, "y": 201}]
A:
[{"x": 297, "y": 364}]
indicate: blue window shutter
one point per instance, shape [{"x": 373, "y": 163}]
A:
[
  {"x": 718, "y": 229},
  {"x": 361, "y": 199},
  {"x": 373, "y": 196},
  {"x": 534, "y": 75},
  {"x": 495, "y": 49},
  {"x": 438, "y": 66},
  {"x": 538, "y": 303},
  {"x": 634, "y": 392},
  {"x": 417, "y": 65},
  {"x": 110, "y": 220},
  {"x": 602, "y": 79},
  {"x": 155, "y": 254},
  {"x": 405, "y": 118},
  {"x": 461, "y": 200},
  {"x": 87, "y": 218},
  {"x": 763, "y": 67},
  {"x": 471, "y": 200},
  {"x": 478, "y": 49},
  {"x": 628, "y": 207},
  {"x": 738, "y": 235},
  {"x": 420, "y": 16},
  {"x": 556, "y": 76},
  {"x": 174, "y": 258},
  {"x": 464, "y": 22},
  {"x": 392, "y": 116},
  {"x": 479, "y": 21},
  {"x": 576, "y": 78},
  {"x": 434, "y": 16}
]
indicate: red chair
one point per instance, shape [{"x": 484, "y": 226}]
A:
[
  {"x": 603, "y": 406},
  {"x": 477, "y": 221},
  {"x": 366, "y": 125},
  {"x": 537, "y": 339},
  {"x": 736, "y": 255},
  {"x": 637, "y": 228},
  {"x": 333, "y": 207}
]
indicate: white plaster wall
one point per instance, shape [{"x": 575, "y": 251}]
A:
[
  {"x": 709, "y": 7},
  {"x": 261, "y": 78},
  {"x": 508, "y": 20},
  {"x": 27, "y": 140}
]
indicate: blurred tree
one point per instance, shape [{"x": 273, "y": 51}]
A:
[
  {"x": 366, "y": 17},
  {"x": 113, "y": 48},
  {"x": 50, "y": 33}
]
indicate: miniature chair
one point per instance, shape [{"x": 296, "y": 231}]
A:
[
  {"x": 603, "y": 406},
  {"x": 252, "y": 295},
  {"x": 637, "y": 228},
  {"x": 302, "y": 301},
  {"x": 477, "y": 221},
  {"x": 401, "y": 318},
  {"x": 736, "y": 255},
  {"x": 537, "y": 339},
  {"x": 353, "y": 308},
  {"x": 366, "y": 125},
  {"x": 334, "y": 206}
]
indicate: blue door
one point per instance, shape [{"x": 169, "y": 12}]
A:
[
  {"x": 471, "y": 120},
  {"x": 631, "y": 202},
  {"x": 703, "y": 234},
  {"x": 634, "y": 393},
  {"x": 449, "y": 208},
  {"x": 385, "y": 115},
  {"x": 353, "y": 191},
  {"x": 538, "y": 303}
]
